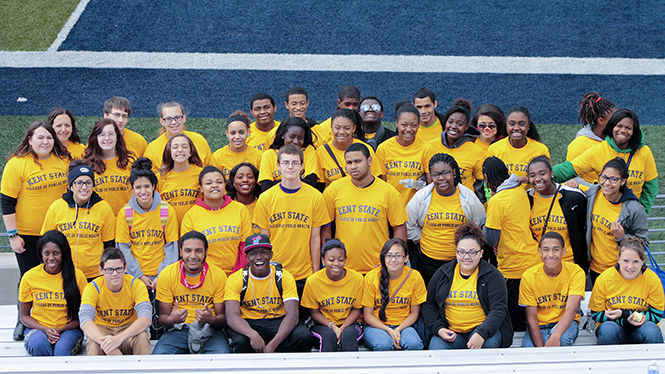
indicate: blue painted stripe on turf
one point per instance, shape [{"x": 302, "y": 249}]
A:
[
  {"x": 566, "y": 28},
  {"x": 216, "y": 93}
]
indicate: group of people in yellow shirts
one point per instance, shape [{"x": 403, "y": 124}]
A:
[{"x": 452, "y": 232}]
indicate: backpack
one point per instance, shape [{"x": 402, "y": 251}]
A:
[
  {"x": 278, "y": 279},
  {"x": 163, "y": 215}
]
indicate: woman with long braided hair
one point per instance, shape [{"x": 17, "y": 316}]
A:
[{"x": 391, "y": 301}]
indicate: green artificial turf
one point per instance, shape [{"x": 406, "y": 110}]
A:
[{"x": 32, "y": 25}]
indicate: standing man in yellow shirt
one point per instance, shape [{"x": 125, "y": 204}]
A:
[
  {"x": 290, "y": 214},
  {"x": 430, "y": 120},
  {"x": 349, "y": 98},
  {"x": 119, "y": 109},
  {"x": 115, "y": 310},
  {"x": 362, "y": 207},
  {"x": 263, "y": 110}
]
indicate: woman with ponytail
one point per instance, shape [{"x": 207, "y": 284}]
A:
[
  {"x": 52, "y": 322},
  {"x": 392, "y": 296},
  {"x": 466, "y": 303}
]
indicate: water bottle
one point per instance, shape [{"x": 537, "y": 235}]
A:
[
  {"x": 653, "y": 368},
  {"x": 420, "y": 184}
]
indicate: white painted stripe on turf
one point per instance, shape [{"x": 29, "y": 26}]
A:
[
  {"x": 361, "y": 63},
  {"x": 64, "y": 32}
]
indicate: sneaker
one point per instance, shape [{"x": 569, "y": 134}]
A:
[{"x": 18, "y": 331}]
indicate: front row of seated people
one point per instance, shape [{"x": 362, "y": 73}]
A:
[{"x": 257, "y": 308}]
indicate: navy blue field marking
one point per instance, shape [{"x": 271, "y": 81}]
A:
[
  {"x": 216, "y": 93},
  {"x": 568, "y": 28}
]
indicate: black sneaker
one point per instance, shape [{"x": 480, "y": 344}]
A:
[{"x": 18, "y": 331}]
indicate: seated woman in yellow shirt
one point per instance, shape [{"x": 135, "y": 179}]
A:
[
  {"x": 466, "y": 303},
  {"x": 49, "y": 298},
  {"x": 178, "y": 176},
  {"x": 613, "y": 214},
  {"x": 623, "y": 139},
  {"x": 334, "y": 298},
  {"x": 627, "y": 300},
  {"x": 392, "y": 296}
]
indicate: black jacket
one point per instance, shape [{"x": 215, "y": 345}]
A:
[
  {"x": 492, "y": 295},
  {"x": 574, "y": 207}
]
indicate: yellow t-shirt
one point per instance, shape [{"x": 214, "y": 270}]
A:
[
  {"x": 362, "y": 216},
  {"x": 604, "y": 248},
  {"x": 334, "y": 299},
  {"x": 517, "y": 159},
  {"x": 399, "y": 163},
  {"x": 642, "y": 166},
  {"x": 556, "y": 222},
  {"x": 462, "y": 306},
  {"x": 469, "y": 157},
  {"x": 323, "y": 132},
  {"x": 517, "y": 249},
  {"x": 45, "y": 292},
  {"x": 269, "y": 170},
  {"x": 262, "y": 299},
  {"x": 86, "y": 231},
  {"x": 135, "y": 142},
  {"x": 290, "y": 218},
  {"x": 257, "y": 138},
  {"x": 180, "y": 189},
  {"x": 211, "y": 292},
  {"x": 147, "y": 237},
  {"x": 115, "y": 309},
  {"x": 155, "y": 150},
  {"x": 413, "y": 292},
  {"x": 578, "y": 146},
  {"x": 224, "y": 228},
  {"x": 250, "y": 208},
  {"x": 329, "y": 171},
  {"x": 428, "y": 134},
  {"x": 113, "y": 184},
  {"x": 482, "y": 145},
  {"x": 550, "y": 295},
  {"x": 35, "y": 187},
  {"x": 76, "y": 150},
  {"x": 612, "y": 291},
  {"x": 225, "y": 159},
  {"x": 444, "y": 215}
]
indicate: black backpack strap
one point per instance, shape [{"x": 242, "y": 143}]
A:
[
  {"x": 332, "y": 155},
  {"x": 278, "y": 276},
  {"x": 245, "y": 279}
]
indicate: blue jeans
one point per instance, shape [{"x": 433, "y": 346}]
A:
[
  {"x": 567, "y": 338},
  {"x": 610, "y": 332},
  {"x": 175, "y": 342},
  {"x": 460, "y": 341},
  {"x": 37, "y": 344},
  {"x": 379, "y": 340}
]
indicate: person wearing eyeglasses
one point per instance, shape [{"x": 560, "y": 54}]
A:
[
  {"x": 491, "y": 122},
  {"x": 86, "y": 220},
  {"x": 224, "y": 222},
  {"x": 458, "y": 140},
  {"x": 237, "y": 151},
  {"x": 293, "y": 130},
  {"x": 371, "y": 112},
  {"x": 115, "y": 310},
  {"x": 623, "y": 139},
  {"x": 119, "y": 110},
  {"x": 436, "y": 211},
  {"x": 291, "y": 215},
  {"x": 173, "y": 118},
  {"x": 392, "y": 296},
  {"x": 551, "y": 292},
  {"x": 613, "y": 214},
  {"x": 466, "y": 303},
  {"x": 402, "y": 157},
  {"x": 363, "y": 207},
  {"x": 347, "y": 129}
]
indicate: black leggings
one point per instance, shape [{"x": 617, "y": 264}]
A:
[
  {"x": 348, "y": 341},
  {"x": 427, "y": 266},
  {"x": 31, "y": 257},
  {"x": 515, "y": 311}
]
